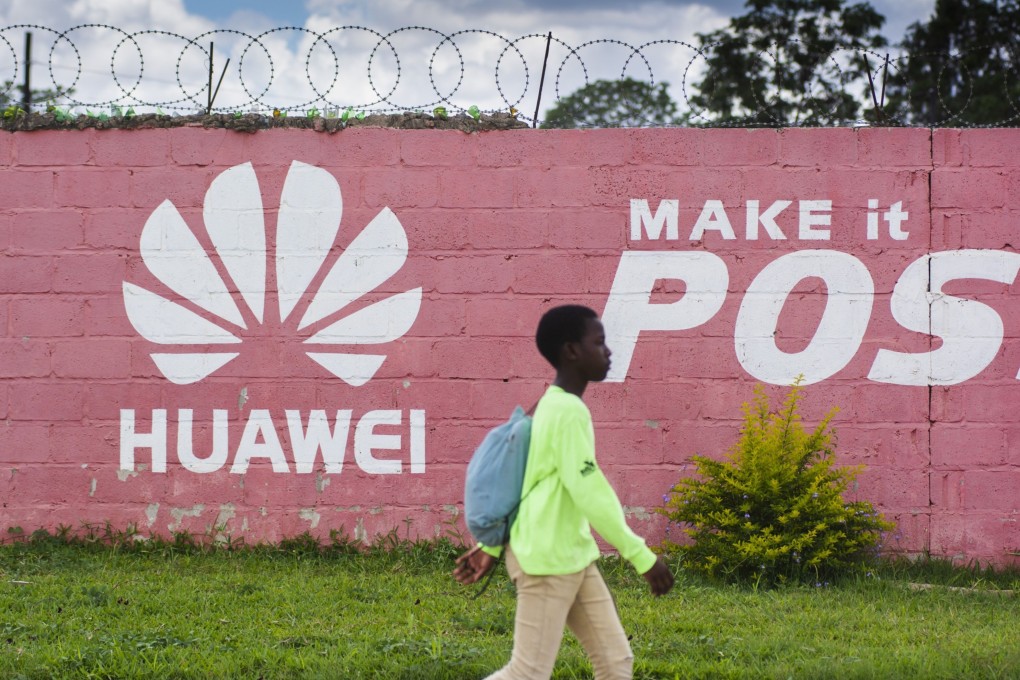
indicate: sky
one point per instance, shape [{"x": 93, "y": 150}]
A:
[{"x": 157, "y": 50}]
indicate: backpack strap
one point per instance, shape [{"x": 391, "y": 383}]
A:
[
  {"x": 506, "y": 541},
  {"x": 531, "y": 411}
]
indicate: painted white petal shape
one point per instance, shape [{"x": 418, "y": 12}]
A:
[
  {"x": 375, "y": 255},
  {"x": 310, "y": 210},
  {"x": 173, "y": 254},
  {"x": 234, "y": 220},
  {"x": 383, "y": 321},
  {"x": 353, "y": 369},
  {"x": 184, "y": 369},
  {"x": 161, "y": 321}
]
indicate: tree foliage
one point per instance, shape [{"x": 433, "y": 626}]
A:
[
  {"x": 614, "y": 103},
  {"x": 12, "y": 95},
  {"x": 960, "y": 67},
  {"x": 774, "y": 511},
  {"x": 787, "y": 62}
]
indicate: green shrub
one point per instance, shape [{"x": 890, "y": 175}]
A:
[{"x": 773, "y": 510}]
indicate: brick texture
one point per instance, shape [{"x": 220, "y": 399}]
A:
[{"x": 500, "y": 226}]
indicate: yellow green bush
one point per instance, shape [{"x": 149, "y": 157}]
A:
[{"x": 773, "y": 511}]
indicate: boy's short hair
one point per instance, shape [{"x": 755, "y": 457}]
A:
[{"x": 559, "y": 326}]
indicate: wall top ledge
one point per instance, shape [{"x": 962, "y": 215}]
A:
[{"x": 254, "y": 122}]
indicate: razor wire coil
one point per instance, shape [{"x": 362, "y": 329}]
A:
[{"x": 295, "y": 68}]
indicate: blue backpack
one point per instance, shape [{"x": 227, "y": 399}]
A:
[{"x": 495, "y": 478}]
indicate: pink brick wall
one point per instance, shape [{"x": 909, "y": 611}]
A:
[{"x": 499, "y": 226}]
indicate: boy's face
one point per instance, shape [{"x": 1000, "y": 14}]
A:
[{"x": 592, "y": 353}]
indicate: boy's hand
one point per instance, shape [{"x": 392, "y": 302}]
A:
[
  {"x": 473, "y": 565},
  {"x": 659, "y": 578}
]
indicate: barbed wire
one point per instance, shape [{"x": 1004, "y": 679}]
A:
[{"x": 356, "y": 69}]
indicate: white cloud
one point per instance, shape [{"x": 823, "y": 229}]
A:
[
  {"x": 134, "y": 15},
  {"x": 47, "y": 12},
  {"x": 250, "y": 22},
  {"x": 427, "y": 60},
  {"x": 103, "y": 64},
  {"x": 901, "y": 13}
]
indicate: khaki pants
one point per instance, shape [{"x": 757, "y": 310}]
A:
[{"x": 581, "y": 601}]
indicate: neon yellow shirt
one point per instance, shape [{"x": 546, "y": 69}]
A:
[{"x": 568, "y": 496}]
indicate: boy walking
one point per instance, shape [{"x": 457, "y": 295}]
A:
[{"x": 552, "y": 553}]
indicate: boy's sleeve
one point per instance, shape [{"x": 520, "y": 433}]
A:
[
  {"x": 494, "y": 550},
  {"x": 592, "y": 493}
]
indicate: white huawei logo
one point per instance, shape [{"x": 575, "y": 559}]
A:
[{"x": 307, "y": 225}]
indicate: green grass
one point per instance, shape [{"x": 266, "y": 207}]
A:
[{"x": 162, "y": 610}]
